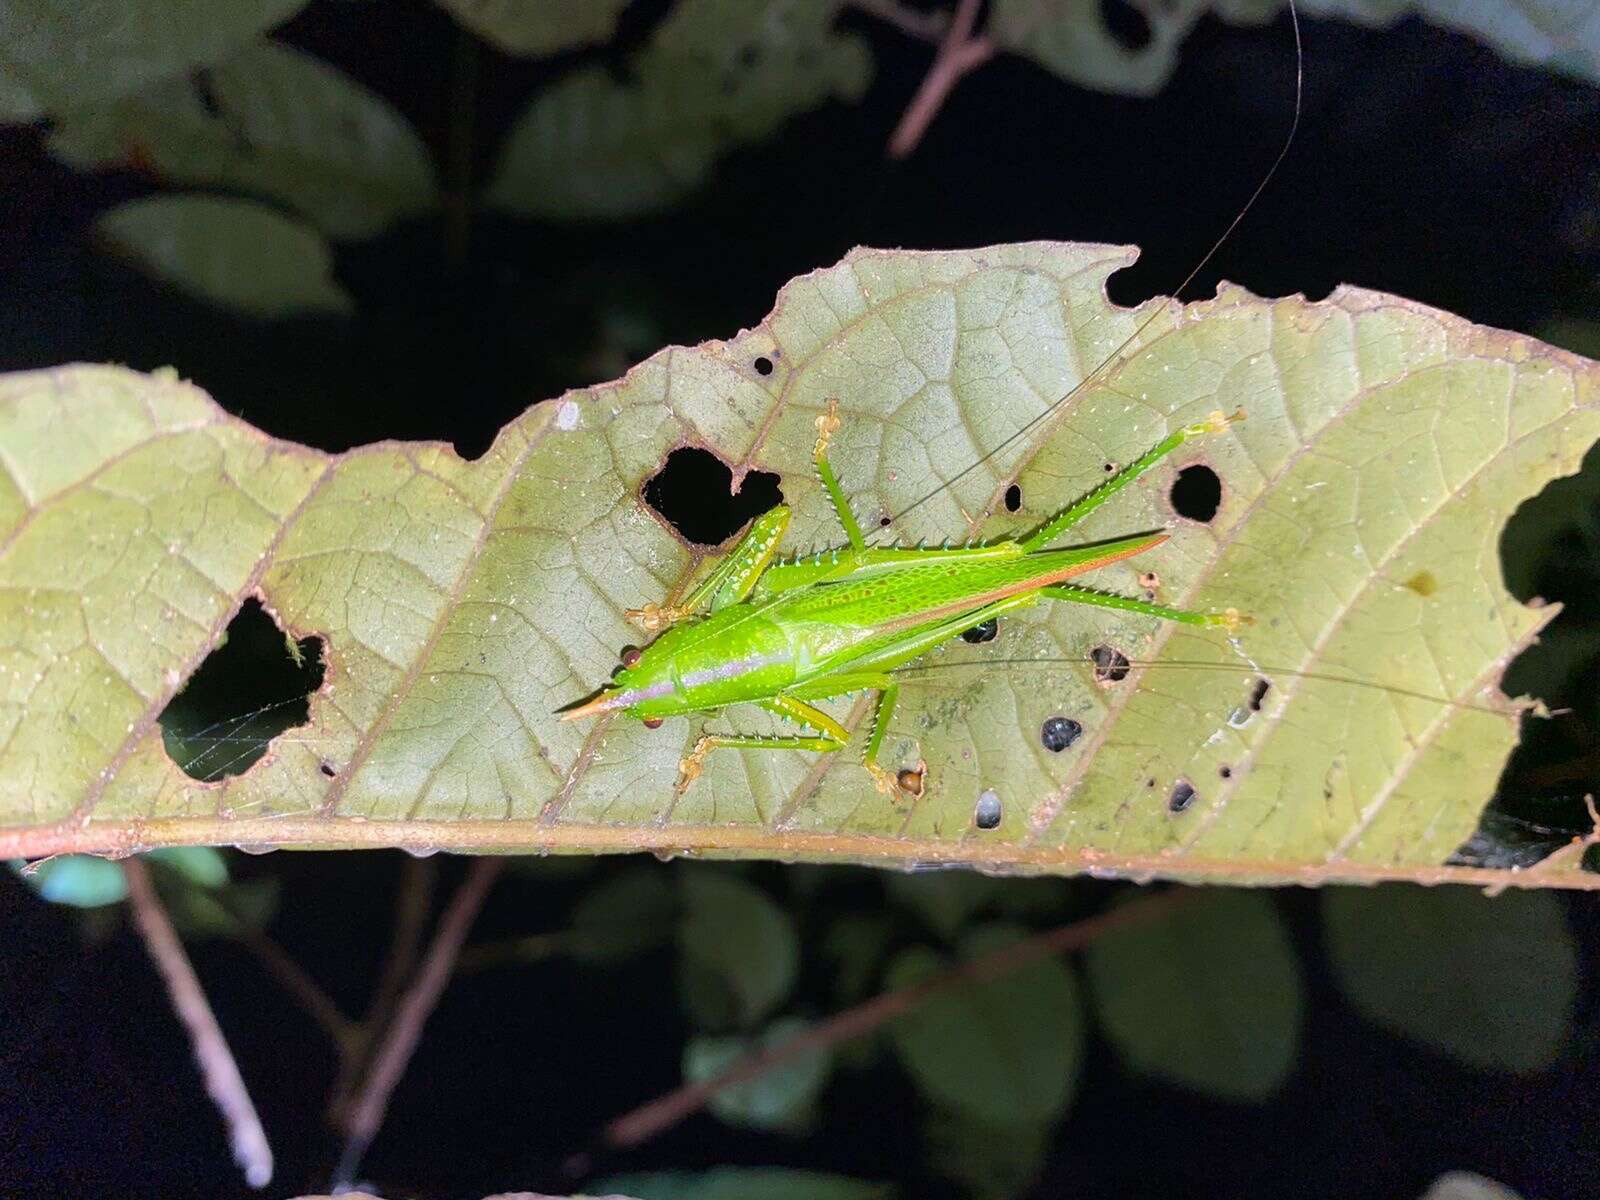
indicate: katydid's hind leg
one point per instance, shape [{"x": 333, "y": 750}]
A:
[
  {"x": 1230, "y": 619},
  {"x": 888, "y": 689},
  {"x": 1071, "y": 515},
  {"x": 730, "y": 581},
  {"x": 827, "y": 425},
  {"x": 833, "y": 736}
]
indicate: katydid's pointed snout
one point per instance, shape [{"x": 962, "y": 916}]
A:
[{"x": 604, "y": 702}]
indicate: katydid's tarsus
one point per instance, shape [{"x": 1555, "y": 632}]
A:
[{"x": 785, "y": 635}]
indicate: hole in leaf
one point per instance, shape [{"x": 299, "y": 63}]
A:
[
  {"x": 1013, "y": 498},
  {"x": 883, "y": 522},
  {"x": 1060, "y": 732},
  {"x": 1182, "y": 796},
  {"x": 254, "y": 684},
  {"x": 763, "y": 365},
  {"x": 985, "y": 632},
  {"x": 1196, "y": 493},
  {"x": 1110, "y": 665},
  {"x": 1225, "y": 771},
  {"x": 1111, "y": 468},
  {"x": 694, "y": 494},
  {"x": 1128, "y": 27},
  {"x": 988, "y": 812}
]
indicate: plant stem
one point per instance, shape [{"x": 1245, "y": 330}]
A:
[
  {"x": 401, "y": 1037},
  {"x": 223, "y": 1082}
]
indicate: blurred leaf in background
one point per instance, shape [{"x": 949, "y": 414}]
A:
[
  {"x": 1207, "y": 996},
  {"x": 270, "y": 121},
  {"x": 1491, "y": 983},
  {"x": 997, "y": 1050},
  {"x": 58, "y": 55},
  {"x": 235, "y": 253},
  {"x": 715, "y": 75}
]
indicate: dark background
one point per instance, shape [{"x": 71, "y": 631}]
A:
[{"x": 1426, "y": 165}]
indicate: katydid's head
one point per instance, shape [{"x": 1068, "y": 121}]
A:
[{"x": 643, "y": 686}]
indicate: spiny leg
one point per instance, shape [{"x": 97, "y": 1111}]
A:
[
  {"x": 885, "y": 780},
  {"x": 730, "y": 581},
  {"x": 1230, "y": 619},
  {"x": 1070, "y": 516},
  {"x": 888, "y": 689},
  {"x": 827, "y": 425},
  {"x": 834, "y": 736}
]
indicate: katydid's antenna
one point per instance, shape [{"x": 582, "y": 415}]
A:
[{"x": 1283, "y": 153}]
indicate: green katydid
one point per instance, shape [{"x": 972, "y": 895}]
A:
[{"x": 785, "y": 634}]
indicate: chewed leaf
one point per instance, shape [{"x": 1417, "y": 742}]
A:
[{"x": 1355, "y": 730}]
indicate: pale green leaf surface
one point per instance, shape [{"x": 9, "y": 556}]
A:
[
  {"x": 1487, "y": 980},
  {"x": 535, "y": 27},
  {"x": 56, "y": 55},
  {"x": 998, "y": 1050},
  {"x": 781, "y": 1098},
  {"x": 236, "y": 253},
  {"x": 462, "y": 603},
  {"x": 284, "y": 125},
  {"x": 717, "y": 74},
  {"x": 1207, "y": 996}
]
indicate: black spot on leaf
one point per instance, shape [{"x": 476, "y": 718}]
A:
[
  {"x": 1059, "y": 732},
  {"x": 1013, "y": 498},
  {"x": 1181, "y": 797}
]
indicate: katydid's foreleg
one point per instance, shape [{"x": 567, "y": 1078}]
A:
[
  {"x": 831, "y": 736},
  {"x": 1230, "y": 618},
  {"x": 732, "y": 578},
  {"x": 1070, "y": 516},
  {"x": 827, "y": 425}
]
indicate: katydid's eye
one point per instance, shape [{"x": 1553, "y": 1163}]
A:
[
  {"x": 653, "y": 722},
  {"x": 631, "y": 656}
]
